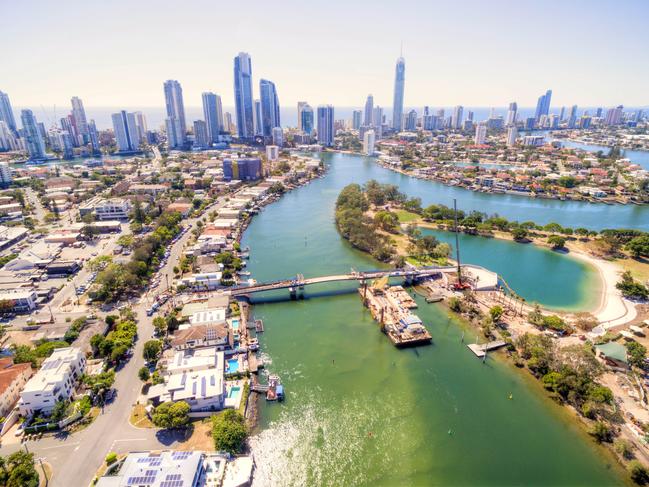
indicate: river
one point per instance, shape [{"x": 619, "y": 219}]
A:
[{"x": 360, "y": 412}]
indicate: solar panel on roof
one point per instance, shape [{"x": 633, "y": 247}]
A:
[
  {"x": 173, "y": 476},
  {"x": 171, "y": 483},
  {"x": 180, "y": 455}
]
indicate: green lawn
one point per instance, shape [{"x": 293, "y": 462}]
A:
[{"x": 406, "y": 216}]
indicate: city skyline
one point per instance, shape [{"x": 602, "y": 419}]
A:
[{"x": 438, "y": 74}]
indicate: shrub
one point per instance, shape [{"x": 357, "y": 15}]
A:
[
  {"x": 639, "y": 473},
  {"x": 111, "y": 458}
]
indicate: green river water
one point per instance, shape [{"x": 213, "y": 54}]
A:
[{"x": 359, "y": 411}]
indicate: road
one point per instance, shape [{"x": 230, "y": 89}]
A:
[{"x": 75, "y": 458}]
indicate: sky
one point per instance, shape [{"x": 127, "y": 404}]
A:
[{"x": 118, "y": 53}]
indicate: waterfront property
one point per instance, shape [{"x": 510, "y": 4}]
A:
[{"x": 178, "y": 469}]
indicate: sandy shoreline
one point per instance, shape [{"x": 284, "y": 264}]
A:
[{"x": 613, "y": 309}]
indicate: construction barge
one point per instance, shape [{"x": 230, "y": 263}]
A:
[{"x": 390, "y": 306}]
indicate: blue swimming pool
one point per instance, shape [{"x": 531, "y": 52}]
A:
[
  {"x": 235, "y": 324},
  {"x": 232, "y": 366},
  {"x": 234, "y": 393}
]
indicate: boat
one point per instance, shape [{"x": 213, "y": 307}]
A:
[
  {"x": 253, "y": 344},
  {"x": 275, "y": 389}
]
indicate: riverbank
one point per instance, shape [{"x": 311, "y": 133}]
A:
[
  {"x": 476, "y": 188},
  {"x": 359, "y": 412}
]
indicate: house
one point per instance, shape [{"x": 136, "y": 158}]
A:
[
  {"x": 55, "y": 381},
  {"x": 152, "y": 189},
  {"x": 203, "y": 389},
  {"x": 205, "y": 335},
  {"x": 202, "y": 282},
  {"x": 211, "y": 316},
  {"x": 177, "y": 469},
  {"x": 180, "y": 207},
  {"x": 13, "y": 378},
  {"x": 192, "y": 360}
]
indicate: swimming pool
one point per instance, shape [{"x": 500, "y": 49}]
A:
[
  {"x": 232, "y": 366},
  {"x": 235, "y": 324},
  {"x": 234, "y": 393}
]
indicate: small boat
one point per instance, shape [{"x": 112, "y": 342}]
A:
[
  {"x": 253, "y": 344},
  {"x": 275, "y": 389}
]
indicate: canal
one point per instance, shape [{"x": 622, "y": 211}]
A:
[{"x": 360, "y": 412}]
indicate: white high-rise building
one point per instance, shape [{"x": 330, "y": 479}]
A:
[
  {"x": 480, "y": 134},
  {"x": 369, "y": 139},
  {"x": 140, "y": 120},
  {"x": 511, "y": 114},
  {"x": 512, "y": 135},
  {"x": 5, "y": 174},
  {"x": 6, "y": 112},
  {"x": 456, "y": 118},
  {"x": 213, "y": 115},
  {"x": 33, "y": 136},
  {"x": 79, "y": 116},
  {"x": 175, "y": 114},
  {"x": 397, "y": 103},
  {"x": 369, "y": 110},
  {"x": 126, "y": 133}
]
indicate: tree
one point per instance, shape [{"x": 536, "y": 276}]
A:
[
  {"x": 636, "y": 353},
  {"x": 100, "y": 382},
  {"x": 118, "y": 353},
  {"x": 496, "y": 312},
  {"x": 24, "y": 354},
  {"x": 152, "y": 350},
  {"x": 557, "y": 242},
  {"x": 624, "y": 448},
  {"x": 18, "y": 470},
  {"x": 602, "y": 432},
  {"x": 639, "y": 473},
  {"x": 229, "y": 431},
  {"x": 631, "y": 288},
  {"x": 171, "y": 415},
  {"x": 160, "y": 325},
  {"x": 59, "y": 411},
  {"x": 143, "y": 374},
  {"x": 519, "y": 234},
  {"x": 639, "y": 246}
]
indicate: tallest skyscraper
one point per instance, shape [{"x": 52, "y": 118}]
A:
[
  {"x": 397, "y": 104},
  {"x": 243, "y": 95}
]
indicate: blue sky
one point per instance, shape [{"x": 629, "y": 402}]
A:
[{"x": 475, "y": 53}]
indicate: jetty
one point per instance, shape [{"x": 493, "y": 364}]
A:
[{"x": 481, "y": 350}]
